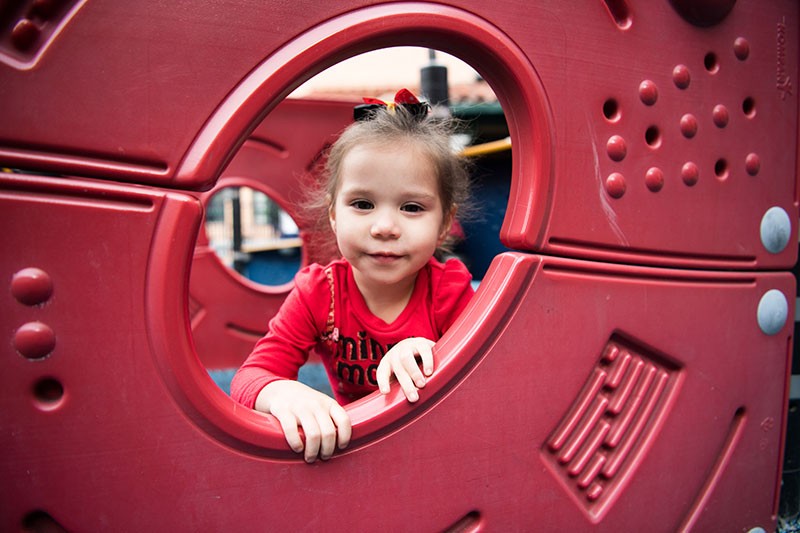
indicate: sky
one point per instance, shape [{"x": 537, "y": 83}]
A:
[{"x": 393, "y": 67}]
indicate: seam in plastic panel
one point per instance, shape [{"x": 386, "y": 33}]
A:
[
  {"x": 612, "y": 253},
  {"x": 82, "y": 165},
  {"x": 660, "y": 275},
  {"x": 53, "y": 189},
  {"x": 80, "y": 201}
]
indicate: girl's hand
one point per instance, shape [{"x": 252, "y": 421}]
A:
[
  {"x": 401, "y": 361},
  {"x": 323, "y": 420}
]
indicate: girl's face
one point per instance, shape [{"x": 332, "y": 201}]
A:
[{"x": 387, "y": 215}]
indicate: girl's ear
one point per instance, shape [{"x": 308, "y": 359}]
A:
[
  {"x": 331, "y": 215},
  {"x": 447, "y": 224}
]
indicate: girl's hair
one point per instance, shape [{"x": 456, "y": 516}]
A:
[{"x": 428, "y": 136}]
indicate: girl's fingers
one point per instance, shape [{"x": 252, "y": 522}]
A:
[
  {"x": 406, "y": 383},
  {"x": 401, "y": 361},
  {"x": 343, "y": 426},
  {"x": 324, "y": 422},
  {"x": 313, "y": 435},
  {"x": 411, "y": 368},
  {"x": 327, "y": 435},
  {"x": 383, "y": 374},
  {"x": 288, "y": 423},
  {"x": 426, "y": 353}
]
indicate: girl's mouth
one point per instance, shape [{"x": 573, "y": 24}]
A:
[{"x": 385, "y": 257}]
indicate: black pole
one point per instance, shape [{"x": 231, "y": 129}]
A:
[
  {"x": 433, "y": 81},
  {"x": 238, "y": 262}
]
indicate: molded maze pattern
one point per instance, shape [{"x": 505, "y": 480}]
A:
[{"x": 600, "y": 439}]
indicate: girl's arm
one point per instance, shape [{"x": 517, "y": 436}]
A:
[
  {"x": 267, "y": 382},
  {"x": 291, "y": 334}
]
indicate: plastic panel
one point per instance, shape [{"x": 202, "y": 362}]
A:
[
  {"x": 229, "y": 313},
  {"x": 489, "y": 434},
  {"x": 688, "y": 129},
  {"x": 654, "y": 148},
  {"x": 530, "y": 422}
]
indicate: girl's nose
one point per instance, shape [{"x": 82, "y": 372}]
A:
[{"x": 384, "y": 226}]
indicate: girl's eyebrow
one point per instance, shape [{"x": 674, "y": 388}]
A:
[
  {"x": 423, "y": 197},
  {"x": 360, "y": 191},
  {"x": 363, "y": 191}
]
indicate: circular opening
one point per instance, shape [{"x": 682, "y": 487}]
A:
[
  {"x": 48, "y": 393},
  {"x": 749, "y": 107},
  {"x": 503, "y": 64},
  {"x": 652, "y": 136},
  {"x": 611, "y": 110},
  {"x": 252, "y": 235},
  {"x": 711, "y": 63},
  {"x": 721, "y": 169},
  {"x": 255, "y": 238}
]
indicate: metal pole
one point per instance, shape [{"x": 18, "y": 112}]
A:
[{"x": 433, "y": 81}]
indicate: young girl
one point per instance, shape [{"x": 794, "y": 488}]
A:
[{"x": 393, "y": 189}]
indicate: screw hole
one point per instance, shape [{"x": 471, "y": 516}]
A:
[
  {"x": 711, "y": 63},
  {"x": 48, "y": 393},
  {"x": 611, "y": 110},
  {"x": 721, "y": 169},
  {"x": 749, "y": 107},
  {"x": 652, "y": 136}
]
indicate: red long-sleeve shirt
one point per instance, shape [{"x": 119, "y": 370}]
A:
[{"x": 352, "y": 344}]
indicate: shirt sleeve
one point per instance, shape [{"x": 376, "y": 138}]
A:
[
  {"x": 452, "y": 291},
  {"x": 292, "y": 333}
]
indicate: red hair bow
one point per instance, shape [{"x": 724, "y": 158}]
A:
[{"x": 403, "y": 97}]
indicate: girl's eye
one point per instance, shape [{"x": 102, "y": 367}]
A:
[
  {"x": 363, "y": 205},
  {"x": 413, "y": 208}
]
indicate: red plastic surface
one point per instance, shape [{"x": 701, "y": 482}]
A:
[
  {"x": 138, "y": 420},
  {"x": 228, "y": 312},
  {"x": 173, "y": 116},
  {"x": 636, "y": 391}
]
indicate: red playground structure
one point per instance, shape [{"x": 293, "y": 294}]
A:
[{"x": 625, "y": 366}]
